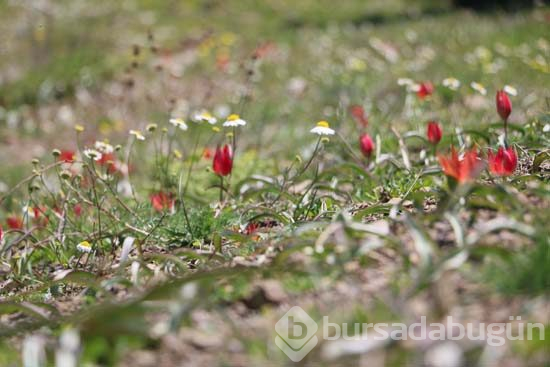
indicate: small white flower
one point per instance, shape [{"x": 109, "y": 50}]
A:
[
  {"x": 478, "y": 87},
  {"x": 137, "y": 134},
  {"x": 414, "y": 87},
  {"x": 405, "y": 81},
  {"x": 92, "y": 154},
  {"x": 84, "y": 246},
  {"x": 322, "y": 128},
  {"x": 204, "y": 116},
  {"x": 234, "y": 120},
  {"x": 29, "y": 212},
  {"x": 179, "y": 123},
  {"x": 508, "y": 89},
  {"x": 103, "y": 147},
  {"x": 451, "y": 83}
]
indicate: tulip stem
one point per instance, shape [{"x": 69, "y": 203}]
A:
[
  {"x": 506, "y": 133},
  {"x": 234, "y": 141},
  {"x": 221, "y": 188}
]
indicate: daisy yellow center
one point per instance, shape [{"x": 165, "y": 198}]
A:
[
  {"x": 233, "y": 117},
  {"x": 85, "y": 244},
  {"x": 206, "y": 115},
  {"x": 323, "y": 124}
]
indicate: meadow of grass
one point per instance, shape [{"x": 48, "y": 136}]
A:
[{"x": 127, "y": 238}]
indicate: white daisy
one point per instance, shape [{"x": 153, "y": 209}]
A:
[
  {"x": 178, "y": 122},
  {"x": 92, "y": 154},
  {"x": 204, "y": 116},
  {"x": 234, "y": 120},
  {"x": 103, "y": 147},
  {"x": 84, "y": 246},
  {"x": 478, "y": 87},
  {"x": 322, "y": 128},
  {"x": 137, "y": 134},
  {"x": 451, "y": 83},
  {"x": 508, "y": 89}
]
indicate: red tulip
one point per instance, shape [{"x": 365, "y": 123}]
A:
[
  {"x": 366, "y": 144},
  {"x": 462, "y": 169},
  {"x": 109, "y": 160},
  {"x": 251, "y": 228},
  {"x": 425, "y": 89},
  {"x": 14, "y": 222},
  {"x": 162, "y": 201},
  {"x": 207, "y": 153},
  {"x": 78, "y": 210},
  {"x": 504, "y": 105},
  {"x": 434, "y": 132},
  {"x": 67, "y": 156},
  {"x": 504, "y": 162},
  {"x": 359, "y": 115},
  {"x": 223, "y": 160}
]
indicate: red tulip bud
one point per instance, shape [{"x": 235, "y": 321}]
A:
[
  {"x": 434, "y": 132},
  {"x": 504, "y": 105},
  {"x": 366, "y": 144},
  {"x": 426, "y": 89},
  {"x": 14, "y": 222},
  {"x": 223, "y": 160}
]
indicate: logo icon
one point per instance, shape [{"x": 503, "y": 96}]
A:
[{"x": 296, "y": 334}]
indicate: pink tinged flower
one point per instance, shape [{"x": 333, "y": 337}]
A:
[
  {"x": 366, "y": 144},
  {"x": 1, "y": 234},
  {"x": 503, "y": 163},
  {"x": 463, "y": 169},
  {"x": 67, "y": 156},
  {"x": 162, "y": 201},
  {"x": 425, "y": 89},
  {"x": 359, "y": 115},
  {"x": 504, "y": 105},
  {"x": 223, "y": 160},
  {"x": 263, "y": 50},
  {"x": 434, "y": 132}
]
